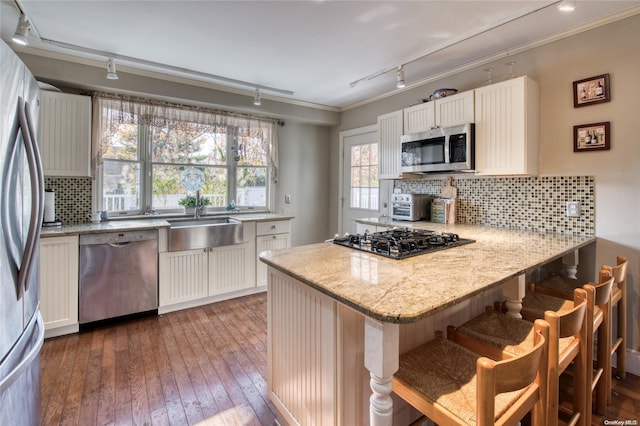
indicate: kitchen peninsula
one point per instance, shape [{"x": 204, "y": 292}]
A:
[{"x": 340, "y": 317}]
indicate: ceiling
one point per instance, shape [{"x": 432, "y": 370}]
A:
[{"x": 315, "y": 49}]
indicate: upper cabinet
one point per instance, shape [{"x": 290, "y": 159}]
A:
[
  {"x": 455, "y": 109},
  {"x": 507, "y": 121},
  {"x": 447, "y": 111},
  {"x": 65, "y": 134},
  {"x": 389, "y": 149},
  {"x": 419, "y": 118}
]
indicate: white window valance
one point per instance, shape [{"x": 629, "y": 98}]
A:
[{"x": 109, "y": 109}]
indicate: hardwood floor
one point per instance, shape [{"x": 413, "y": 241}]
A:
[{"x": 204, "y": 365}]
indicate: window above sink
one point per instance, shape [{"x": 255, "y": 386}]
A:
[{"x": 144, "y": 150}]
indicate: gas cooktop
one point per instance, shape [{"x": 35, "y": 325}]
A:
[{"x": 402, "y": 243}]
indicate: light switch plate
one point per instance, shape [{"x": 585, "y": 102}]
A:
[{"x": 287, "y": 199}]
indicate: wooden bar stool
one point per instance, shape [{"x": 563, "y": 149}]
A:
[
  {"x": 619, "y": 301},
  {"x": 453, "y": 385},
  {"x": 567, "y": 345},
  {"x": 562, "y": 286},
  {"x": 598, "y": 320}
]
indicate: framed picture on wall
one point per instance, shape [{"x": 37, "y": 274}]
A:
[
  {"x": 591, "y": 137},
  {"x": 592, "y": 90}
]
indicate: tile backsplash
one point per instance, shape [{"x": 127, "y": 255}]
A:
[
  {"x": 527, "y": 203},
  {"x": 73, "y": 198}
]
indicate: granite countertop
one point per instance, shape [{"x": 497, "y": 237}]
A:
[
  {"x": 144, "y": 223},
  {"x": 402, "y": 291},
  {"x": 107, "y": 226}
]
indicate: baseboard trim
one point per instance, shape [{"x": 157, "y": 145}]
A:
[
  {"x": 211, "y": 299},
  {"x": 633, "y": 362}
]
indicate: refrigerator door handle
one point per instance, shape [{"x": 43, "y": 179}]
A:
[
  {"x": 37, "y": 194},
  {"x": 28, "y": 359}
]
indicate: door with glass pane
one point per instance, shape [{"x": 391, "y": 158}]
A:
[{"x": 361, "y": 190}]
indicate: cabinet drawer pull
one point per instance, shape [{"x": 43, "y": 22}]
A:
[{"x": 274, "y": 226}]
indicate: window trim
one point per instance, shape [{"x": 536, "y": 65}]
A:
[{"x": 145, "y": 160}]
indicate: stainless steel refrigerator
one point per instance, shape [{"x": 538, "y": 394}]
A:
[{"x": 21, "y": 210}]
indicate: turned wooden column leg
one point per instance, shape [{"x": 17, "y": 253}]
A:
[
  {"x": 514, "y": 290},
  {"x": 570, "y": 264},
  {"x": 381, "y": 346}
]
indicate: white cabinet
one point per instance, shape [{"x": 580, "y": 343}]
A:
[
  {"x": 389, "y": 150},
  {"x": 196, "y": 277},
  {"x": 507, "y": 127},
  {"x": 271, "y": 235},
  {"x": 183, "y": 276},
  {"x": 65, "y": 134},
  {"x": 447, "y": 111},
  {"x": 419, "y": 118},
  {"x": 232, "y": 268},
  {"x": 455, "y": 109},
  {"x": 59, "y": 284}
]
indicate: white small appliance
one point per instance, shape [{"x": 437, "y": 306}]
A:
[{"x": 411, "y": 207}]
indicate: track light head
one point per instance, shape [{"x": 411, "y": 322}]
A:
[
  {"x": 22, "y": 31},
  {"x": 400, "y": 78},
  {"x": 256, "y": 98},
  {"x": 111, "y": 70}
]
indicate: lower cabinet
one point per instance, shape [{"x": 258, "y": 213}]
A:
[
  {"x": 193, "y": 277},
  {"x": 197, "y": 277},
  {"x": 183, "y": 276},
  {"x": 59, "y": 284},
  {"x": 231, "y": 268},
  {"x": 270, "y": 235}
]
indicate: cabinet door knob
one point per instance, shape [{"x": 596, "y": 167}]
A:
[{"x": 274, "y": 237}]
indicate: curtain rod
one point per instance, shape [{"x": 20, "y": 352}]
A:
[{"x": 158, "y": 102}]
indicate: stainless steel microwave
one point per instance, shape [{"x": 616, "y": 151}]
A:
[{"x": 443, "y": 149}]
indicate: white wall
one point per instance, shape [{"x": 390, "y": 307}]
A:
[
  {"x": 613, "y": 49},
  {"x": 304, "y": 156}
]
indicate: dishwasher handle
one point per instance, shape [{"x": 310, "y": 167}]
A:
[{"x": 116, "y": 245}]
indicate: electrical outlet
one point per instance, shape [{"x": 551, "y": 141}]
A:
[
  {"x": 573, "y": 208},
  {"x": 287, "y": 199}
]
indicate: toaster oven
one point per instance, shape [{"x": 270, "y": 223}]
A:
[{"x": 411, "y": 207}]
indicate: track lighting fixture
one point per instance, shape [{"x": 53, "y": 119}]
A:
[
  {"x": 111, "y": 70},
  {"x": 567, "y": 5},
  {"x": 256, "y": 98},
  {"x": 22, "y": 31},
  {"x": 400, "y": 78}
]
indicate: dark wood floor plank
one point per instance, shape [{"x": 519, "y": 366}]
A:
[
  {"x": 137, "y": 381},
  {"x": 107, "y": 397},
  {"x": 149, "y": 343},
  {"x": 209, "y": 362},
  {"x": 91, "y": 391},
  {"x": 77, "y": 381},
  {"x": 205, "y": 398},
  {"x": 53, "y": 413},
  {"x": 175, "y": 410}
]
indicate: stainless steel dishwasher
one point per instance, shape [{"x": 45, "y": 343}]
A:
[{"x": 118, "y": 274}]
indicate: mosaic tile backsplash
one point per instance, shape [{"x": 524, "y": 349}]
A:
[
  {"x": 73, "y": 198},
  {"x": 527, "y": 203}
]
